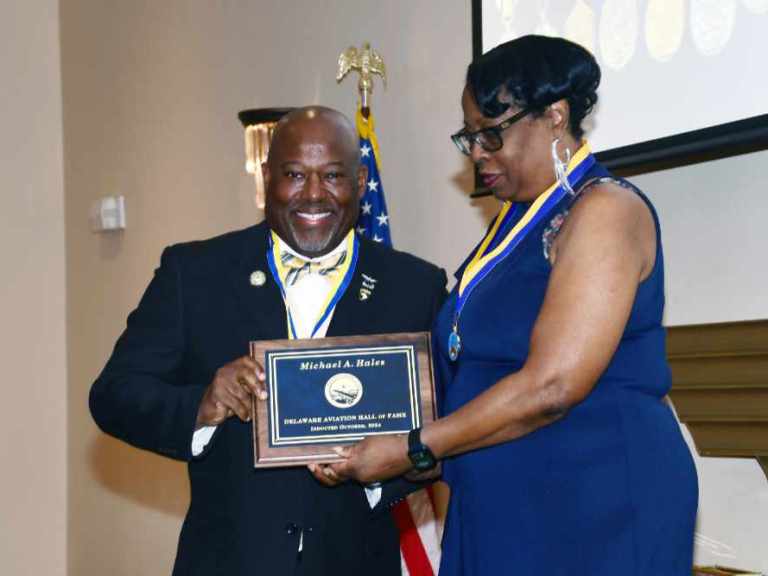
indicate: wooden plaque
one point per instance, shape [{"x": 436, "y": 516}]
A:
[{"x": 328, "y": 392}]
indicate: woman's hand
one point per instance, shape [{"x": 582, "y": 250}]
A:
[{"x": 374, "y": 459}]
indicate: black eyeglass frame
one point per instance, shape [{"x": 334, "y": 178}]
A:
[{"x": 496, "y": 130}]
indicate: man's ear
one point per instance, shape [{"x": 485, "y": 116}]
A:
[
  {"x": 265, "y": 174},
  {"x": 362, "y": 180}
]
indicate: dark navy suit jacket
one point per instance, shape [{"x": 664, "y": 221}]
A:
[{"x": 199, "y": 313}]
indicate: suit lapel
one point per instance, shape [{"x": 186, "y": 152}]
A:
[
  {"x": 358, "y": 300},
  {"x": 262, "y": 306}
]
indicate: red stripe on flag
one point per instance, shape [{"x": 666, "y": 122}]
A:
[
  {"x": 431, "y": 493},
  {"x": 414, "y": 554}
]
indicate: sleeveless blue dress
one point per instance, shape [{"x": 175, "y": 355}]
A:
[{"x": 608, "y": 490}]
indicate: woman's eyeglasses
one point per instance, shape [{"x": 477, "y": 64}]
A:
[{"x": 489, "y": 139}]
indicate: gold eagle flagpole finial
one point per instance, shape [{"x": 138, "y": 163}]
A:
[{"x": 367, "y": 62}]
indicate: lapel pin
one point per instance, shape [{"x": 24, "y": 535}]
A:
[
  {"x": 366, "y": 290},
  {"x": 369, "y": 284},
  {"x": 258, "y": 278}
]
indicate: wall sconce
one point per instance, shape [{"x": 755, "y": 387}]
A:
[{"x": 259, "y": 124}]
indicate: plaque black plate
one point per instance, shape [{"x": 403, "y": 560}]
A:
[{"x": 333, "y": 391}]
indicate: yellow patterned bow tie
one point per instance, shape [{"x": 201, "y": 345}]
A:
[{"x": 298, "y": 267}]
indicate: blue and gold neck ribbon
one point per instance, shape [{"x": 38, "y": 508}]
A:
[
  {"x": 482, "y": 263},
  {"x": 339, "y": 283}
]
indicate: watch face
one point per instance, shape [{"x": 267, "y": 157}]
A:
[
  {"x": 422, "y": 460},
  {"x": 421, "y": 456}
]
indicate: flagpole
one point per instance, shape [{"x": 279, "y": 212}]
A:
[{"x": 373, "y": 219}]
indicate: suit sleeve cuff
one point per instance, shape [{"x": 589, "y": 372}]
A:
[
  {"x": 373, "y": 494},
  {"x": 201, "y": 438}
]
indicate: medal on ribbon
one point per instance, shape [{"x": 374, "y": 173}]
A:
[
  {"x": 482, "y": 263},
  {"x": 454, "y": 343}
]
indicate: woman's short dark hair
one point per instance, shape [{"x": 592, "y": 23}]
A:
[{"x": 536, "y": 71}]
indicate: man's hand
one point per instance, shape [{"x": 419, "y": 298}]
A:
[{"x": 230, "y": 392}]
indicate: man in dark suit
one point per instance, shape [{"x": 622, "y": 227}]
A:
[{"x": 179, "y": 380}]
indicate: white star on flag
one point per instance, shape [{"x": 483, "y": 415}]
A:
[
  {"x": 361, "y": 230},
  {"x": 365, "y": 151},
  {"x": 377, "y": 238},
  {"x": 383, "y": 219},
  {"x": 366, "y": 208},
  {"x": 373, "y": 186}
]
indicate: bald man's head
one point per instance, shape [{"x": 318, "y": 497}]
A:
[
  {"x": 341, "y": 127},
  {"x": 313, "y": 179}
]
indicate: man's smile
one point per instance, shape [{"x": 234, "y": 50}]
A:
[{"x": 312, "y": 218}]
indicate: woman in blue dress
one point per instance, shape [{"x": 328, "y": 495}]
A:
[{"x": 561, "y": 453}]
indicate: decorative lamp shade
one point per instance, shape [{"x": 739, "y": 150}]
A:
[{"x": 259, "y": 125}]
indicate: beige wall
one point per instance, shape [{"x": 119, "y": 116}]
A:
[
  {"x": 32, "y": 300},
  {"x": 151, "y": 90}
]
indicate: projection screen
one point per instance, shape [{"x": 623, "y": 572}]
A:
[{"x": 680, "y": 77}]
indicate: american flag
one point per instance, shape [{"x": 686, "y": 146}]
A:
[
  {"x": 415, "y": 517},
  {"x": 373, "y": 221}
]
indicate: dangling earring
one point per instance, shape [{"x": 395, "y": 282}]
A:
[{"x": 561, "y": 167}]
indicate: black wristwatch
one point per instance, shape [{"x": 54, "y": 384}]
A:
[{"x": 421, "y": 456}]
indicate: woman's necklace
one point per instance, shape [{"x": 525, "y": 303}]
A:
[{"x": 482, "y": 263}]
